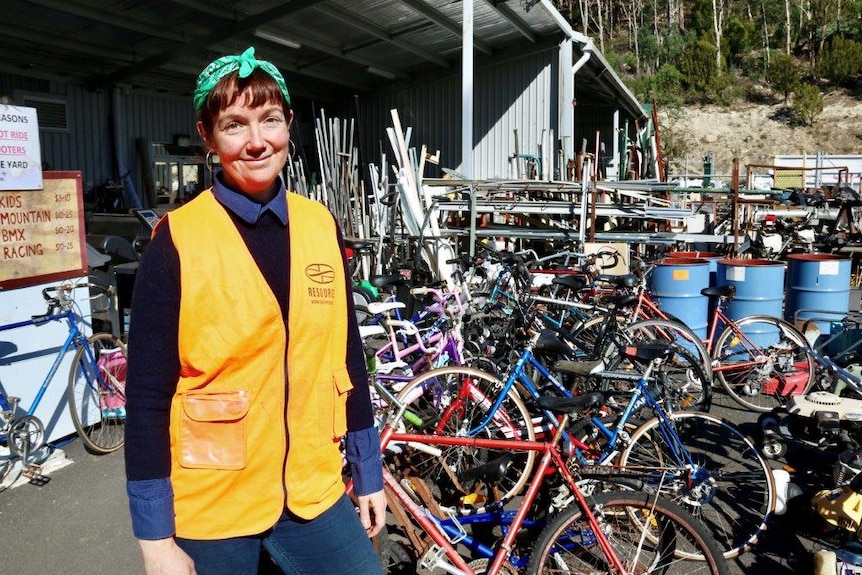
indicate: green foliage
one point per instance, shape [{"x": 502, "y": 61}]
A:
[
  {"x": 697, "y": 64},
  {"x": 738, "y": 35},
  {"x": 807, "y": 102},
  {"x": 664, "y": 87},
  {"x": 783, "y": 75},
  {"x": 840, "y": 60},
  {"x": 726, "y": 89},
  {"x": 700, "y": 14}
]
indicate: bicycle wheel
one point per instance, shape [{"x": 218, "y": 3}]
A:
[
  {"x": 452, "y": 401},
  {"x": 97, "y": 393},
  {"x": 647, "y": 534},
  {"x": 729, "y": 486},
  {"x": 761, "y": 361}
]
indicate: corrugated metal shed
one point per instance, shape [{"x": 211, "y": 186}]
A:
[
  {"x": 124, "y": 71},
  {"x": 325, "y": 47}
]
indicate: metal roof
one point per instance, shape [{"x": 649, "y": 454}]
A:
[{"x": 322, "y": 46}]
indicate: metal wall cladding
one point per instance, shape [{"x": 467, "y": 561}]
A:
[
  {"x": 515, "y": 93},
  {"x": 88, "y": 143}
]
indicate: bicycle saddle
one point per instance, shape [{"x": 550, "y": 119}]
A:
[
  {"x": 623, "y": 281},
  {"x": 549, "y": 342},
  {"x": 570, "y": 281},
  {"x": 387, "y": 280},
  {"x": 570, "y": 405},
  {"x": 490, "y": 472},
  {"x": 727, "y": 291},
  {"x": 620, "y": 301}
]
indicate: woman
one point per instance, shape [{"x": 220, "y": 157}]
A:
[{"x": 245, "y": 365}]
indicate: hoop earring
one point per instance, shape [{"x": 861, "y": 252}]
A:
[
  {"x": 208, "y": 161},
  {"x": 291, "y": 150}
]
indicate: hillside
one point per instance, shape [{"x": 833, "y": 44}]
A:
[{"x": 756, "y": 133}]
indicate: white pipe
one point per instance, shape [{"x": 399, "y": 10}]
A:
[{"x": 467, "y": 91}]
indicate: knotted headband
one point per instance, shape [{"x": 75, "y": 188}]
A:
[{"x": 246, "y": 63}]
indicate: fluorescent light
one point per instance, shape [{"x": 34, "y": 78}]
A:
[
  {"x": 380, "y": 72},
  {"x": 278, "y": 39}
]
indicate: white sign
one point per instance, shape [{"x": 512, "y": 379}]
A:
[
  {"x": 20, "y": 153},
  {"x": 829, "y": 268},
  {"x": 734, "y": 273}
]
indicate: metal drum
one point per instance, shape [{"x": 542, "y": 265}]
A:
[
  {"x": 759, "y": 291},
  {"x": 818, "y": 289},
  {"x": 711, "y": 257},
  {"x": 676, "y": 284}
]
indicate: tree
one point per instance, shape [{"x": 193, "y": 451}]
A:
[
  {"x": 697, "y": 65},
  {"x": 783, "y": 75},
  {"x": 841, "y": 59},
  {"x": 807, "y": 102}
]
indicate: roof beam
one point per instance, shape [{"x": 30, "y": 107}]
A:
[
  {"x": 232, "y": 29},
  {"x": 305, "y": 68},
  {"x": 509, "y": 15},
  {"x": 445, "y": 22},
  {"x": 356, "y": 21},
  {"x": 106, "y": 17}
]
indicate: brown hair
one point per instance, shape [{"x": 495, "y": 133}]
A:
[{"x": 262, "y": 87}]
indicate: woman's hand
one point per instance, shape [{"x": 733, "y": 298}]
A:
[
  {"x": 372, "y": 512},
  {"x": 164, "y": 557}
]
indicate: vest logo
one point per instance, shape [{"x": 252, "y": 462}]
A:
[{"x": 320, "y": 273}]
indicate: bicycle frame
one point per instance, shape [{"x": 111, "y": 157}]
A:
[
  {"x": 75, "y": 339},
  {"x": 432, "y": 525},
  {"x": 641, "y": 396}
]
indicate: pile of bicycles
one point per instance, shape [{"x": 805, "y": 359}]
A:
[{"x": 562, "y": 425}]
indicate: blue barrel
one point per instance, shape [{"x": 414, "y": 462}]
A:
[
  {"x": 759, "y": 291},
  {"x": 711, "y": 257},
  {"x": 818, "y": 288},
  {"x": 676, "y": 284}
]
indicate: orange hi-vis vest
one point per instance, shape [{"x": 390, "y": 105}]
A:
[{"x": 238, "y": 453}]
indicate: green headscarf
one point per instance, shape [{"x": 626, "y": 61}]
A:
[{"x": 246, "y": 63}]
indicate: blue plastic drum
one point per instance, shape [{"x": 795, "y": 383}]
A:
[{"x": 818, "y": 289}]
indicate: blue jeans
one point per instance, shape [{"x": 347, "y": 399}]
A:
[{"x": 332, "y": 544}]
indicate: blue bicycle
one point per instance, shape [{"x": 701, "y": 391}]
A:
[{"x": 95, "y": 387}]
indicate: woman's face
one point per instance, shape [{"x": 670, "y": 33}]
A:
[{"x": 252, "y": 145}]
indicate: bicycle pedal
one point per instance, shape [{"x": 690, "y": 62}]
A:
[{"x": 33, "y": 472}]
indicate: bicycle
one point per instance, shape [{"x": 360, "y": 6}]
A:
[
  {"x": 95, "y": 387},
  {"x": 759, "y": 360},
  {"x": 728, "y": 479},
  {"x": 612, "y": 532}
]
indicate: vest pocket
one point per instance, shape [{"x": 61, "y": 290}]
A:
[{"x": 212, "y": 431}]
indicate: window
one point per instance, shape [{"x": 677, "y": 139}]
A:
[{"x": 50, "y": 110}]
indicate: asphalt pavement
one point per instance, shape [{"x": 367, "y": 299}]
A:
[{"x": 75, "y": 520}]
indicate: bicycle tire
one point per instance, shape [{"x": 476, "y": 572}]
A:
[
  {"x": 731, "y": 488},
  {"x": 766, "y": 377},
  {"x": 568, "y": 545},
  {"x": 98, "y": 409},
  {"x": 432, "y": 396}
]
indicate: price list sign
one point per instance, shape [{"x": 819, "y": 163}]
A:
[{"x": 42, "y": 232}]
